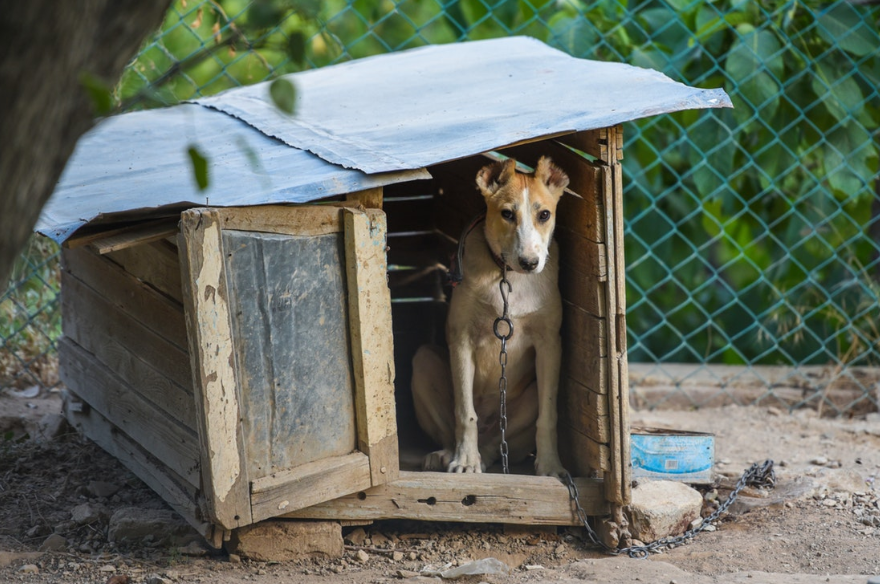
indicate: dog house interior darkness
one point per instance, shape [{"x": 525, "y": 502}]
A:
[{"x": 247, "y": 351}]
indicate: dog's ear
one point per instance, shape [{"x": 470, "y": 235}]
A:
[
  {"x": 491, "y": 178},
  {"x": 551, "y": 175}
]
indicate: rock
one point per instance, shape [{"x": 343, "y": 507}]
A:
[
  {"x": 362, "y": 556},
  {"x": 397, "y": 556},
  {"x": 51, "y": 426},
  {"x": 195, "y": 549},
  {"x": 379, "y": 540},
  {"x": 102, "y": 489},
  {"x": 108, "y": 568},
  {"x": 819, "y": 461},
  {"x": 356, "y": 537},
  {"x": 403, "y": 574},
  {"x": 157, "y": 579},
  {"x": 29, "y": 569},
  {"x": 662, "y": 509},
  {"x": 234, "y": 559},
  {"x": 54, "y": 543},
  {"x": 87, "y": 513},
  {"x": 166, "y": 527},
  {"x": 287, "y": 540}
]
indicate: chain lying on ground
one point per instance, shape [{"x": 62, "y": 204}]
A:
[
  {"x": 505, "y": 288},
  {"x": 760, "y": 474}
]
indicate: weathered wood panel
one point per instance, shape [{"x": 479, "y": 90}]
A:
[
  {"x": 92, "y": 320},
  {"x": 372, "y": 349},
  {"x": 309, "y": 484},
  {"x": 477, "y": 498},
  {"x": 306, "y": 220},
  {"x": 155, "y": 311},
  {"x": 141, "y": 234},
  {"x": 224, "y": 470},
  {"x": 155, "y": 263},
  {"x": 368, "y": 198},
  {"x": 580, "y": 253},
  {"x": 173, "y": 489},
  {"x": 582, "y": 455},
  {"x": 606, "y": 144},
  {"x": 587, "y": 406},
  {"x": 288, "y": 298},
  {"x": 171, "y": 442}
]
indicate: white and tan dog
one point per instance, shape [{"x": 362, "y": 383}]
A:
[{"x": 457, "y": 398}]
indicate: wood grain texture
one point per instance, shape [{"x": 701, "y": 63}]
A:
[
  {"x": 296, "y": 220},
  {"x": 473, "y": 498},
  {"x": 617, "y": 482},
  {"x": 309, "y": 484},
  {"x": 224, "y": 471},
  {"x": 174, "y": 490},
  {"x": 171, "y": 442},
  {"x": 155, "y": 311},
  {"x": 368, "y": 198},
  {"x": 155, "y": 263},
  {"x": 597, "y": 143},
  {"x": 369, "y": 305},
  {"x": 138, "y": 235},
  {"x": 127, "y": 346}
]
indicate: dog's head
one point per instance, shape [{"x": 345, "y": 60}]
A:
[{"x": 521, "y": 211}]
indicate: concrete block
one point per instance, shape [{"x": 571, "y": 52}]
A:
[
  {"x": 662, "y": 509},
  {"x": 279, "y": 541}
]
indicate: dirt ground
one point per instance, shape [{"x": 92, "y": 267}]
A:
[{"x": 820, "y": 524}]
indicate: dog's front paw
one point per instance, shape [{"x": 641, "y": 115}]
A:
[
  {"x": 550, "y": 467},
  {"x": 466, "y": 461},
  {"x": 437, "y": 460}
]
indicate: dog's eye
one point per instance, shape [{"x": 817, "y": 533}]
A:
[
  {"x": 543, "y": 216},
  {"x": 507, "y": 214}
]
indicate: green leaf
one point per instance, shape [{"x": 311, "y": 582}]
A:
[
  {"x": 99, "y": 93},
  {"x": 850, "y": 160},
  {"x": 264, "y": 14},
  {"x": 199, "y": 167},
  {"x": 296, "y": 47},
  {"x": 843, "y": 26},
  {"x": 283, "y": 94},
  {"x": 755, "y": 65},
  {"x": 838, "y": 91}
]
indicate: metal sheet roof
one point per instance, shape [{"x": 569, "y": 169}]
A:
[
  {"x": 419, "y": 107},
  {"x": 138, "y": 162},
  {"x": 392, "y": 114}
]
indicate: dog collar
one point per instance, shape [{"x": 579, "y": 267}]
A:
[{"x": 455, "y": 274}]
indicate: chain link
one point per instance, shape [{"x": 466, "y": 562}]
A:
[
  {"x": 760, "y": 474},
  {"x": 504, "y": 286}
]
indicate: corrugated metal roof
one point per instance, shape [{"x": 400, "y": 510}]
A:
[
  {"x": 393, "y": 114},
  {"x": 437, "y": 103},
  {"x": 138, "y": 162}
]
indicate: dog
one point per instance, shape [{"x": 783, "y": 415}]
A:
[{"x": 456, "y": 395}]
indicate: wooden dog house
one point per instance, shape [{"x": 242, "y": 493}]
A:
[{"x": 246, "y": 351}]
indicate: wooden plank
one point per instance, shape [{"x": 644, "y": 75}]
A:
[
  {"x": 83, "y": 237},
  {"x": 584, "y": 330},
  {"x": 224, "y": 471},
  {"x": 616, "y": 486},
  {"x": 619, "y": 403},
  {"x": 92, "y": 320},
  {"x": 580, "y": 403},
  {"x": 584, "y": 291},
  {"x": 472, "y": 498},
  {"x": 155, "y": 263},
  {"x": 153, "y": 231},
  {"x": 296, "y": 220},
  {"x": 580, "y": 454},
  {"x": 171, "y": 442},
  {"x": 290, "y": 328},
  {"x": 369, "y": 303},
  {"x": 582, "y": 254},
  {"x": 368, "y": 198},
  {"x": 593, "y": 142},
  {"x": 155, "y": 311},
  {"x": 182, "y": 497},
  {"x": 309, "y": 484}
]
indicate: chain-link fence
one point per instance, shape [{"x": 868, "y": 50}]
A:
[{"x": 751, "y": 234}]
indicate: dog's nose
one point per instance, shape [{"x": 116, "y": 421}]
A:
[{"x": 527, "y": 264}]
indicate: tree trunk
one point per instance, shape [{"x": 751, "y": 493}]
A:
[{"x": 45, "y": 46}]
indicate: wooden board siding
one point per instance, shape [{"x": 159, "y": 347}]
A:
[{"x": 476, "y": 498}]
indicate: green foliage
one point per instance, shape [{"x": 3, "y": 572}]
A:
[
  {"x": 199, "y": 167},
  {"x": 283, "y": 94},
  {"x": 747, "y": 229}
]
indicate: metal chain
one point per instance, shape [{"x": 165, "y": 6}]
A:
[
  {"x": 504, "y": 286},
  {"x": 760, "y": 474}
]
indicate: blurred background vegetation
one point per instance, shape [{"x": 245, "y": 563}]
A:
[{"x": 751, "y": 234}]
